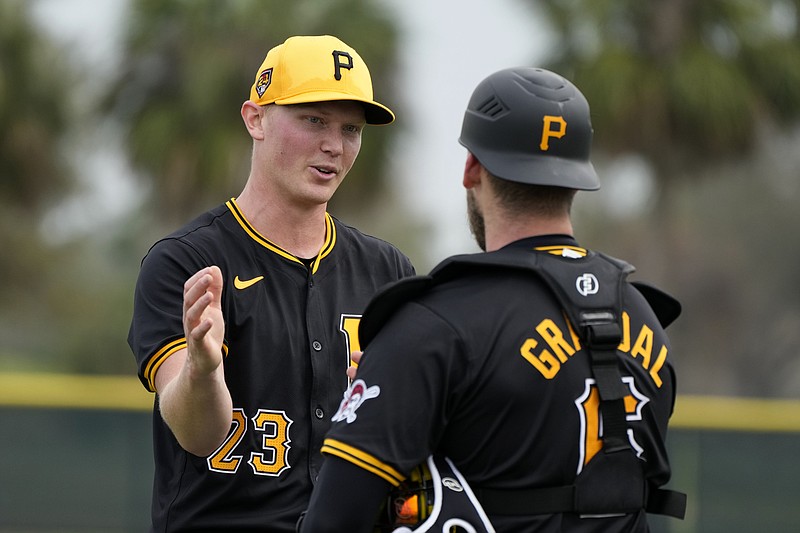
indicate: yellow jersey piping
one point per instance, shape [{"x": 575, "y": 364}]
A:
[
  {"x": 162, "y": 355},
  {"x": 556, "y": 250},
  {"x": 362, "y": 459},
  {"x": 327, "y": 246}
]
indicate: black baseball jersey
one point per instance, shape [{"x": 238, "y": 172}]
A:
[
  {"x": 289, "y": 330},
  {"x": 487, "y": 370}
]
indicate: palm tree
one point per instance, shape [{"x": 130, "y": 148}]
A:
[
  {"x": 188, "y": 66},
  {"x": 698, "y": 88},
  {"x": 35, "y": 111},
  {"x": 686, "y": 83}
]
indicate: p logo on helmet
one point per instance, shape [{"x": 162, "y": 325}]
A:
[
  {"x": 516, "y": 124},
  {"x": 547, "y": 130}
]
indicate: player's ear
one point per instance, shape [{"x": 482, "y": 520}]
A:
[
  {"x": 472, "y": 171},
  {"x": 252, "y": 115}
]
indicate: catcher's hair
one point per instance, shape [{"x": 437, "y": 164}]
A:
[{"x": 523, "y": 198}]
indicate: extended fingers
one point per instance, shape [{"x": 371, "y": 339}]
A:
[
  {"x": 193, "y": 309},
  {"x": 198, "y": 295},
  {"x": 198, "y": 332},
  {"x": 196, "y": 299},
  {"x": 209, "y": 278}
]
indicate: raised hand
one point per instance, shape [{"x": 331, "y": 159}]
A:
[{"x": 203, "y": 323}]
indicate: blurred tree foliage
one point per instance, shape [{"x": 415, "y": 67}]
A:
[
  {"x": 686, "y": 83},
  {"x": 36, "y": 114},
  {"x": 186, "y": 68},
  {"x": 706, "y": 91},
  {"x": 34, "y": 117}
]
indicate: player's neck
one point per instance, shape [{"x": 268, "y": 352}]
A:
[
  {"x": 511, "y": 230},
  {"x": 299, "y": 231}
]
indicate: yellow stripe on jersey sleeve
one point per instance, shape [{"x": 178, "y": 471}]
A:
[
  {"x": 362, "y": 459},
  {"x": 158, "y": 359},
  {"x": 162, "y": 355}
]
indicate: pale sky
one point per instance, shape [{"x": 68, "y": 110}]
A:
[{"x": 447, "y": 48}]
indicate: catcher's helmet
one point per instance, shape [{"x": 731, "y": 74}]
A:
[
  {"x": 434, "y": 499},
  {"x": 531, "y": 125}
]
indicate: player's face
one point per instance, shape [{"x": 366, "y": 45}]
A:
[
  {"x": 310, "y": 148},
  {"x": 476, "y": 222}
]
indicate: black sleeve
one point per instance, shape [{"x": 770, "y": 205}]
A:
[
  {"x": 158, "y": 302},
  {"x": 345, "y": 498}
]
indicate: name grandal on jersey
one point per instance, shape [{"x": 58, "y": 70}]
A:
[{"x": 560, "y": 348}]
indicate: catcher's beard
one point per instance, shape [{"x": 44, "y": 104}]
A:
[{"x": 476, "y": 223}]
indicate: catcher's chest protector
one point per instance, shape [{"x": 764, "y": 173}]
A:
[{"x": 590, "y": 291}]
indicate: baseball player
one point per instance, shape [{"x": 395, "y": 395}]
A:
[
  {"x": 245, "y": 318},
  {"x": 534, "y": 381}
]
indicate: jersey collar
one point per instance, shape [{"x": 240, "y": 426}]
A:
[
  {"x": 556, "y": 244},
  {"x": 327, "y": 246}
]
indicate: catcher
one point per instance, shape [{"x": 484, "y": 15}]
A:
[{"x": 533, "y": 382}]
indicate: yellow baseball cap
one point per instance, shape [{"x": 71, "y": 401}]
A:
[{"x": 316, "y": 68}]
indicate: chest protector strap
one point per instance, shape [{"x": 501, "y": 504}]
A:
[{"x": 590, "y": 292}]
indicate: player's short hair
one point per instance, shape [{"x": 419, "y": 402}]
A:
[{"x": 523, "y": 198}]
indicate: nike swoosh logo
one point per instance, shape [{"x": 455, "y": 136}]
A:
[{"x": 243, "y": 284}]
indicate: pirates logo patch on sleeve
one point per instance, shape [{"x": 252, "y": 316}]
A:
[{"x": 354, "y": 396}]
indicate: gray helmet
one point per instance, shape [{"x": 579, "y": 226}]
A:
[{"x": 531, "y": 125}]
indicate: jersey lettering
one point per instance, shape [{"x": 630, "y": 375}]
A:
[
  {"x": 275, "y": 441},
  {"x": 544, "y": 362},
  {"x": 223, "y": 459},
  {"x": 272, "y": 458},
  {"x": 588, "y": 404},
  {"x": 348, "y": 324},
  {"x": 561, "y": 346}
]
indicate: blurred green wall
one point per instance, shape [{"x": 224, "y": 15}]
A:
[{"x": 76, "y": 456}]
